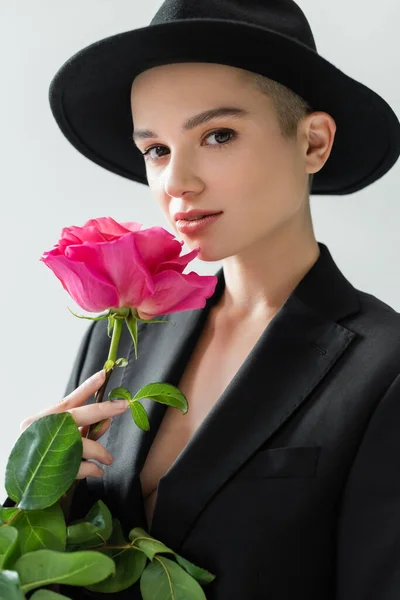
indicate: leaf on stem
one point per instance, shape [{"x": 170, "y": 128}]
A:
[
  {"x": 44, "y": 461},
  {"x": 151, "y": 320},
  {"x": 165, "y": 393},
  {"x": 47, "y": 595},
  {"x": 131, "y": 322},
  {"x": 93, "y": 530},
  {"x": 150, "y": 546},
  {"x": 163, "y": 579},
  {"x": 201, "y": 575},
  {"x": 139, "y": 415},
  {"x": 110, "y": 325},
  {"x": 39, "y": 529},
  {"x": 44, "y": 567},
  {"x": 129, "y": 563},
  {"x": 6, "y": 513},
  {"x": 9, "y": 550},
  {"x": 120, "y": 392},
  {"x": 101, "y": 318}
]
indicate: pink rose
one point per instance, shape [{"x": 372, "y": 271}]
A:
[{"x": 105, "y": 264}]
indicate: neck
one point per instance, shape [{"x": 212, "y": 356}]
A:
[{"x": 257, "y": 283}]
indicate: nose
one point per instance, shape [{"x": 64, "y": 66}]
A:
[{"x": 181, "y": 178}]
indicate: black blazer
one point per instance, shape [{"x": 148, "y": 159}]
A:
[{"x": 290, "y": 488}]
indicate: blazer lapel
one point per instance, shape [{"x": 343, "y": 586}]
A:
[
  {"x": 163, "y": 352},
  {"x": 295, "y": 352}
]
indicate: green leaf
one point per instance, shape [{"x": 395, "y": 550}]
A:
[
  {"x": 44, "y": 461},
  {"x": 9, "y": 548},
  {"x": 7, "y": 512},
  {"x": 121, "y": 362},
  {"x": 139, "y": 415},
  {"x": 48, "y": 595},
  {"x": 81, "y": 535},
  {"x": 163, "y": 579},
  {"x": 95, "y": 529},
  {"x": 110, "y": 325},
  {"x": 131, "y": 322},
  {"x": 151, "y": 320},
  {"x": 165, "y": 393},
  {"x": 101, "y": 318},
  {"x": 150, "y": 546},
  {"x": 129, "y": 563},
  {"x": 44, "y": 567},
  {"x": 120, "y": 392},
  {"x": 147, "y": 544},
  {"x": 201, "y": 575},
  {"x": 10, "y": 586},
  {"x": 100, "y": 516},
  {"x": 39, "y": 529}
]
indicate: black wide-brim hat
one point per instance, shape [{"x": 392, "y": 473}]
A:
[{"x": 90, "y": 94}]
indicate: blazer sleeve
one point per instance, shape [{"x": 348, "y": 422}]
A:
[
  {"x": 368, "y": 528},
  {"x": 81, "y": 500}
]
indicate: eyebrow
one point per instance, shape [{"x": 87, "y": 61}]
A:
[{"x": 196, "y": 120}]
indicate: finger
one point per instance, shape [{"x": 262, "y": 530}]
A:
[
  {"x": 143, "y": 315},
  {"x": 89, "y": 469},
  {"x": 24, "y": 424},
  {"x": 94, "y": 450},
  {"x": 104, "y": 427},
  {"x": 84, "y": 416},
  {"x": 84, "y": 430},
  {"x": 83, "y": 392},
  {"x": 75, "y": 398},
  {"x": 93, "y": 413},
  {"x": 95, "y": 436}
]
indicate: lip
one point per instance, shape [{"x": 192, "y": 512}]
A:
[
  {"x": 190, "y": 227},
  {"x": 194, "y": 213}
]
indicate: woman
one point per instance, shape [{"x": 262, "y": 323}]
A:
[{"x": 283, "y": 479}]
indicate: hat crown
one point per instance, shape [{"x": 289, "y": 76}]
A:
[
  {"x": 90, "y": 94},
  {"x": 281, "y": 16}
]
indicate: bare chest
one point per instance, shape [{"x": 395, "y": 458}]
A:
[{"x": 212, "y": 365}]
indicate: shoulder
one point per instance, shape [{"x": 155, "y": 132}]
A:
[
  {"x": 376, "y": 317},
  {"x": 377, "y": 343}
]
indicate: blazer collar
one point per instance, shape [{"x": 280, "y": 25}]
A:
[{"x": 294, "y": 353}]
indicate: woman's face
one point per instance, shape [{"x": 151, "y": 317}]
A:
[{"x": 240, "y": 165}]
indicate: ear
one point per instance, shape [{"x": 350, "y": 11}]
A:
[{"x": 317, "y": 136}]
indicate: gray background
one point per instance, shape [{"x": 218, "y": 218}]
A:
[{"x": 46, "y": 184}]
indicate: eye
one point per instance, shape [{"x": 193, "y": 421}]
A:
[{"x": 224, "y": 132}]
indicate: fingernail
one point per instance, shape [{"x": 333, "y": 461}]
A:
[
  {"x": 120, "y": 404},
  {"x": 98, "y": 376}
]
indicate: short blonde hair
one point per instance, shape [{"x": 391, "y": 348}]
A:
[{"x": 290, "y": 107}]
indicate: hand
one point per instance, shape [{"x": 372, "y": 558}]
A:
[{"x": 84, "y": 416}]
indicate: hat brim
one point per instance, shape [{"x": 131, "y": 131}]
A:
[{"x": 90, "y": 95}]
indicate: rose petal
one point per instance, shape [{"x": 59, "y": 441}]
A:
[
  {"x": 176, "y": 292},
  {"x": 179, "y": 263},
  {"x": 108, "y": 225},
  {"x": 90, "y": 290},
  {"x": 157, "y": 245},
  {"x": 89, "y": 234},
  {"x": 119, "y": 261},
  {"x": 105, "y": 264}
]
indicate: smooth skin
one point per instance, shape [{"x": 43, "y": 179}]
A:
[
  {"x": 240, "y": 166},
  {"x": 84, "y": 416}
]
